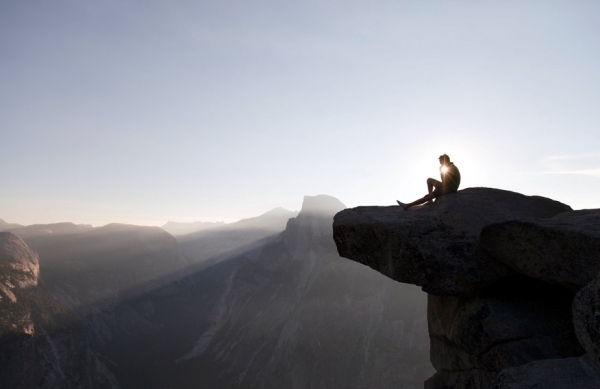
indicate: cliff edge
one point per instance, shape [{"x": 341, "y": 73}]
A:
[{"x": 514, "y": 301}]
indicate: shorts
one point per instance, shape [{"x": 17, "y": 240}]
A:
[{"x": 440, "y": 191}]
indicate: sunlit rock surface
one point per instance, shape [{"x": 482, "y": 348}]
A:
[
  {"x": 19, "y": 264},
  {"x": 19, "y": 269},
  {"x": 39, "y": 348},
  {"x": 502, "y": 270}
]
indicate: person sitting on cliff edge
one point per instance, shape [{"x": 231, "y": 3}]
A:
[{"x": 449, "y": 184}]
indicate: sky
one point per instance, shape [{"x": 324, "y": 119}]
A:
[{"x": 147, "y": 111}]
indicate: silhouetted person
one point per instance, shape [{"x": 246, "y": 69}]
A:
[{"x": 449, "y": 184}]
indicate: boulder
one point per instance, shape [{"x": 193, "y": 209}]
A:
[
  {"x": 586, "y": 319},
  {"x": 562, "y": 250},
  {"x": 436, "y": 246}
]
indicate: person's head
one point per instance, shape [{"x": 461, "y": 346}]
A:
[{"x": 444, "y": 159}]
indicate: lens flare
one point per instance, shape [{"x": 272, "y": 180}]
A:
[{"x": 444, "y": 169}]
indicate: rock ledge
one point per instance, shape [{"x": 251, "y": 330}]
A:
[{"x": 513, "y": 293}]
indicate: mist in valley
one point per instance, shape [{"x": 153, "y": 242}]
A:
[{"x": 265, "y": 302}]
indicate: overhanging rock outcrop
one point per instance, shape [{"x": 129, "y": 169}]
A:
[
  {"x": 501, "y": 270},
  {"x": 436, "y": 247}
]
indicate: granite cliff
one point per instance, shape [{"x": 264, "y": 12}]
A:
[
  {"x": 293, "y": 314},
  {"x": 39, "y": 348},
  {"x": 19, "y": 269},
  {"x": 60, "y": 308},
  {"x": 512, "y": 283}
]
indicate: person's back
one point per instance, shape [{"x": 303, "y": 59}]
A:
[{"x": 450, "y": 178}]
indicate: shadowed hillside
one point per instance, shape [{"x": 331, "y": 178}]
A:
[{"x": 283, "y": 310}]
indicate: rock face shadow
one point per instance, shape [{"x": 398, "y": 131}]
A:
[{"x": 515, "y": 321}]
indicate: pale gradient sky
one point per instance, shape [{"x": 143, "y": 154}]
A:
[{"x": 148, "y": 111}]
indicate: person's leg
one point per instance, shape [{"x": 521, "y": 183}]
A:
[
  {"x": 432, "y": 183},
  {"x": 424, "y": 199}
]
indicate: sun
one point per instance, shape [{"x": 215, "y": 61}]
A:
[{"x": 444, "y": 169}]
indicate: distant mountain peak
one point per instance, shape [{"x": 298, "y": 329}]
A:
[
  {"x": 4, "y": 226},
  {"x": 273, "y": 219},
  {"x": 321, "y": 204},
  {"x": 278, "y": 212}
]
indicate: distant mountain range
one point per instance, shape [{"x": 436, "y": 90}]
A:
[
  {"x": 229, "y": 240},
  {"x": 264, "y": 303},
  {"x": 295, "y": 314},
  {"x": 37, "y": 230},
  {"x": 4, "y": 226},
  {"x": 177, "y": 229}
]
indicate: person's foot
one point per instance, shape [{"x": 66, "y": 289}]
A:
[{"x": 402, "y": 205}]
